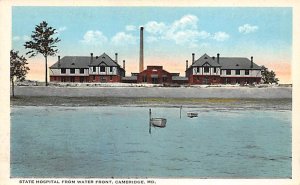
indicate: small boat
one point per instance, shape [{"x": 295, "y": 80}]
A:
[
  {"x": 158, "y": 122},
  {"x": 192, "y": 114}
]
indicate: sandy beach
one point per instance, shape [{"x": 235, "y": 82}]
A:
[
  {"x": 217, "y": 97},
  {"x": 157, "y": 92}
]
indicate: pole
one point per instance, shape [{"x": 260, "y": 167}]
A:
[
  {"x": 149, "y": 121},
  {"x": 180, "y": 111}
]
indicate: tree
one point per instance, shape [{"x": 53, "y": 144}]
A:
[
  {"x": 42, "y": 41},
  {"x": 18, "y": 68},
  {"x": 268, "y": 77}
]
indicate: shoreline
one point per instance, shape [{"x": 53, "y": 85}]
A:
[
  {"x": 157, "y": 92},
  {"x": 215, "y": 103}
]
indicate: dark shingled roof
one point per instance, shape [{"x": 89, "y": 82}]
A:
[
  {"x": 206, "y": 59},
  {"x": 104, "y": 59},
  {"x": 226, "y": 62},
  {"x": 237, "y": 63},
  {"x": 84, "y": 62},
  {"x": 73, "y": 62}
]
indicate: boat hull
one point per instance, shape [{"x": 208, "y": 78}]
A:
[
  {"x": 158, "y": 122},
  {"x": 192, "y": 114}
]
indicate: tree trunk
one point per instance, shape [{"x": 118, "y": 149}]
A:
[
  {"x": 46, "y": 74},
  {"x": 13, "y": 87}
]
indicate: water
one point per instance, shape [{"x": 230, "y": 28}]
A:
[{"x": 113, "y": 141}]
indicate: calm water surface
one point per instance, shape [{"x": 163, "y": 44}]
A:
[{"x": 113, "y": 141}]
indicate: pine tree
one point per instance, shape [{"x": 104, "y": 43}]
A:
[
  {"x": 18, "y": 69},
  {"x": 268, "y": 77},
  {"x": 42, "y": 42}
]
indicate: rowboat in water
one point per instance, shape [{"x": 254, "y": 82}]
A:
[
  {"x": 192, "y": 114},
  {"x": 156, "y": 122}
]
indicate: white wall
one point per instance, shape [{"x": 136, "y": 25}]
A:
[
  {"x": 210, "y": 72},
  {"x": 252, "y": 73},
  {"x": 107, "y": 71},
  {"x": 57, "y": 72}
]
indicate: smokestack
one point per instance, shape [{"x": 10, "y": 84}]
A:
[
  {"x": 91, "y": 61},
  {"x": 193, "y": 58},
  {"x": 186, "y": 64},
  {"x": 251, "y": 62},
  {"x": 116, "y": 60},
  {"x": 124, "y": 64},
  {"x": 218, "y": 58},
  {"x": 58, "y": 63},
  {"x": 141, "y": 50}
]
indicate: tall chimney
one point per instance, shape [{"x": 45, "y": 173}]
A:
[
  {"x": 124, "y": 64},
  {"x": 141, "y": 50},
  {"x": 186, "y": 64},
  {"x": 251, "y": 62},
  {"x": 58, "y": 63},
  {"x": 91, "y": 61},
  {"x": 193, "y": 58},
  {"x": 218, "y": 58},
  {"x": 116, "y": 60}
]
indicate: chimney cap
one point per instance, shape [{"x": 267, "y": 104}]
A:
[
  {"x": 142, "y": 27},
  {"x": 193, "y": 53},
  {"x": 92, "y": 54},
  {"x": 218, "y": 53}
]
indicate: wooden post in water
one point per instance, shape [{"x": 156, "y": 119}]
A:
[
  {"x": 180, "y": 111},
  {"x": 149, "y": 121}
]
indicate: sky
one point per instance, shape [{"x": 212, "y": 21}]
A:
[{"x": 171, "y": 35}]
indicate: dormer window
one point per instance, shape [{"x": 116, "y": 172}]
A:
[
  {"x": 205, "y": 57},
  {"x": 103, "y": 56},
  {"x": 237, "y": 65},
  {"x": 73, "y": 64}
]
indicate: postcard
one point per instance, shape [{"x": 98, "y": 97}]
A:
[{"x": 149, "y": 92}]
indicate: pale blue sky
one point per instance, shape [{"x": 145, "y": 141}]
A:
[{"x": 171, "y": 34}]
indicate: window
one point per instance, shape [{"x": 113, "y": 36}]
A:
[
  {"x": 247, "y": 72},
  {"x": 111, "y": 69},
  {"x": 102, "y": 68},
  {"x": 72, "y": 79},
  {"x": 72, "y": 71},
  {"x": 215, "y": 70},
  {"x": 144, "y": 78},
  {"x": 198, "y": 69},
  {"x": 63, "y": 70},
  {"x": 94, "y": 69},
  {"x": 63, "y": 79},
  {"x": 237, "y": 72},
  {"x": 111, "y": 77},
  {"x": 81, "y": 71},
  {"x": 228, "y": 72},
  {"x": 206, "y": 69},
  {"x": 94, "y": 78},
  {"x": 165, "y": 79}
]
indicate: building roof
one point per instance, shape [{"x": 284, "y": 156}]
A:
[
  {"x": 103, "y": 59},
  {"x": 206, "y": 59},
  {"x": 84, "y": 62},
  {"x": 73, "y": 62},
  {"x": 226, "y": 62},
  {"x": 237, "y": 63}
]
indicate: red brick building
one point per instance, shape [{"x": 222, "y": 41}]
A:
[
  {"x": 87, "y": 69},
  {"x": 154, "y": 75},
  {"x": 223, "y": 70}
]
